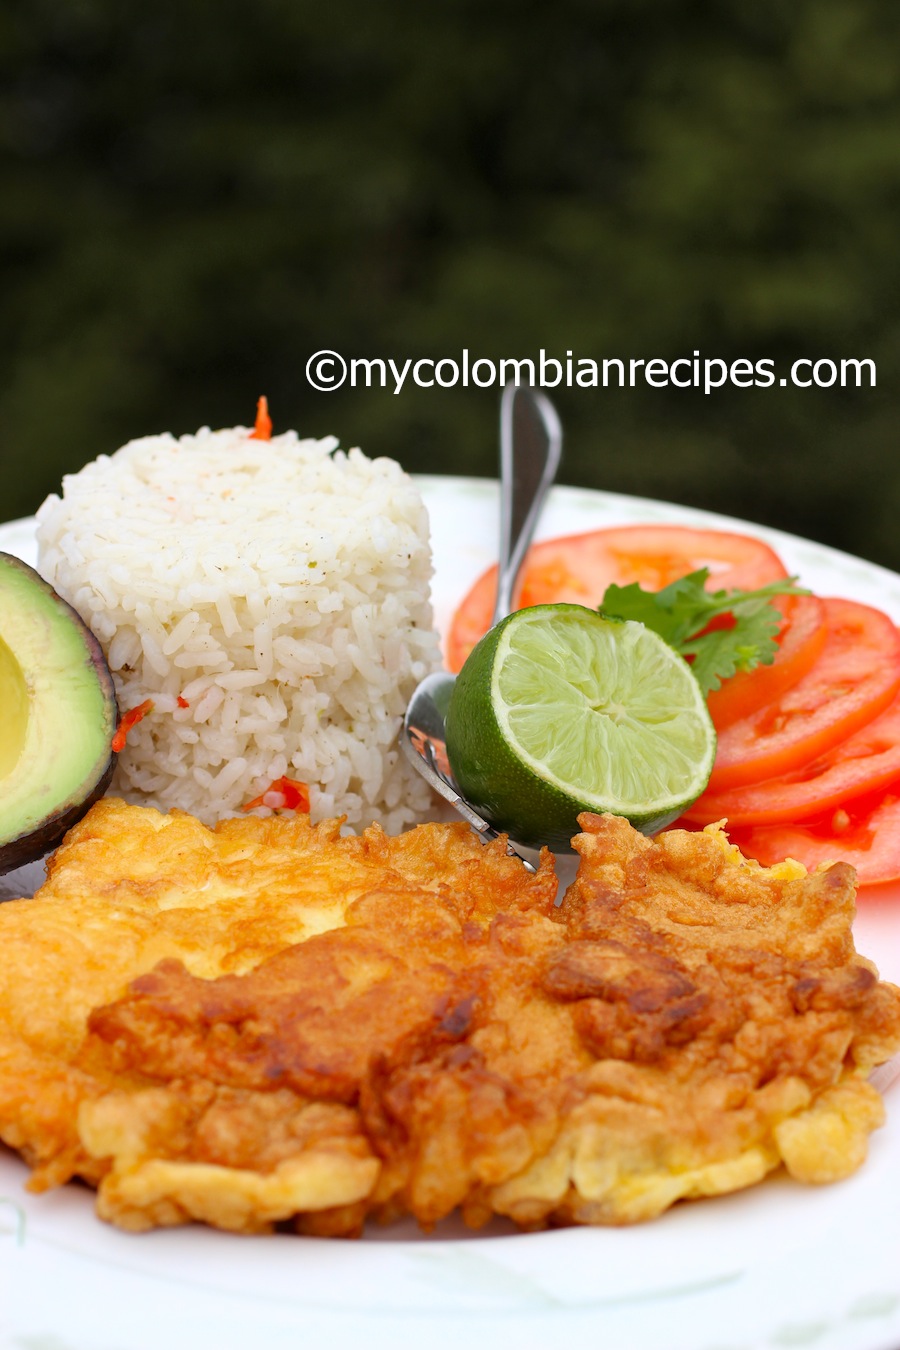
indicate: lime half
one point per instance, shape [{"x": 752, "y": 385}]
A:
[{"x": 560, "y": 710}]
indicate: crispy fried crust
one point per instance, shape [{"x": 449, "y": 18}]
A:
[{"x": 267, "y": 1024}]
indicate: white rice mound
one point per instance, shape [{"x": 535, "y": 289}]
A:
[{"x": 281, "y": 590}]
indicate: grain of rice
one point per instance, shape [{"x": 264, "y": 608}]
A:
[{"x": 280, "y": 589}]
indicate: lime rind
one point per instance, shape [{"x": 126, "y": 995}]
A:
[{"x": 602, "y": 710}]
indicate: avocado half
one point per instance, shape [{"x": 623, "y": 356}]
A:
[{"x": 58, "y": 715}]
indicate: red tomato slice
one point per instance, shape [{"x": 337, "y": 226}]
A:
[
  {"x": 867, "y": 835},
  {"x": 579, "y": 567},
  {"x": 865, "y": 762},
  {"x": 854, "y": 679},
  {"x": 800, "y": 643}
]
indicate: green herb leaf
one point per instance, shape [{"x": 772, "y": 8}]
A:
[{"x": 682, "y": 612}]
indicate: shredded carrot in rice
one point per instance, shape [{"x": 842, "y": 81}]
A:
[
  {"x": 127, "y": 721},
  {"x": 284, "y": 794},
  {"x": 182, "y": 702},
  {"x": 262, "y": 431}
]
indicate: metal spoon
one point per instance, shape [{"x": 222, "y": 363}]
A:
[{"x": 530, "y": 449}]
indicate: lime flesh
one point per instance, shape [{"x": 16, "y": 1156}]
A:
[{"x": 559, "y": 710}]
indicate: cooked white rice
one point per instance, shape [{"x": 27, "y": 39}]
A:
[{"x": 281, "y": 589}]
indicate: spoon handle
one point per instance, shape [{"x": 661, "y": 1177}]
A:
[{"x": 530, "y": 449}]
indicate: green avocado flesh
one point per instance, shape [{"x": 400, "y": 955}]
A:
[{"x": 57, "y": 716}]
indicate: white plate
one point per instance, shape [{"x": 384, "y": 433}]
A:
[{"x": 780, "y": 1265}]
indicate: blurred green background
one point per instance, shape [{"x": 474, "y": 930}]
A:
[{"x": 197, "y": 197}]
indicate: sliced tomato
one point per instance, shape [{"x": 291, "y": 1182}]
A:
[
  {"x": 854, "y": 679},
  {"x": 579, "y": 567},
  {"x": 866, "y": 762},
  {"x": 800, "y": 642},
  {"x": 865, "y": 834}
]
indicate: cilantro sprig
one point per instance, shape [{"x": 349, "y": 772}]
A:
[{"x": 682, "y": 612}]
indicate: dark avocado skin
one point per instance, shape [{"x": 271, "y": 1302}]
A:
[
  {"x": 30, "y": 847},
  {"x": 49, "y": 832}
]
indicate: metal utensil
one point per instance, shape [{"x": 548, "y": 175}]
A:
[{"x": 530, "y": 449}]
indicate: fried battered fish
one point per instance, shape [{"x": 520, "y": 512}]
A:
[{"x": 267, "y": 1023}]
